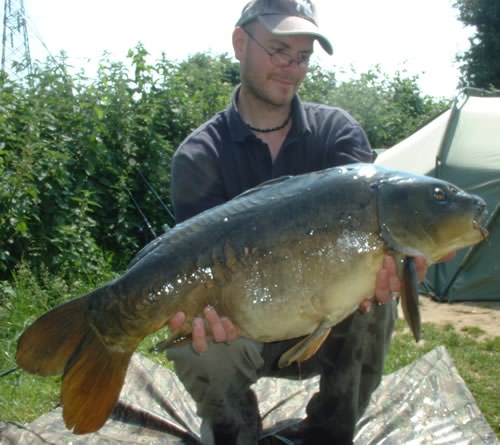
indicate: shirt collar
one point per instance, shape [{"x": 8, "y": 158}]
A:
[{"x": 239, "y": 131}]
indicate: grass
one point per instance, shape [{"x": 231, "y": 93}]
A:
[
  {"x": 24, "y": 397},
  {"x": 476, "y": 359}
]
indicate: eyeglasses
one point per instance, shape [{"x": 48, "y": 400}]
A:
[{"x": 281, "y": 58}]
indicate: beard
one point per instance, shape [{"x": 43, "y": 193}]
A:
[{"x": 269, "y": 91}]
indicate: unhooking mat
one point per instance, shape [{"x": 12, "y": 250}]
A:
[{"x": 426, "y": 402}]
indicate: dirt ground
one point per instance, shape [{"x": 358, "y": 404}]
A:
[{"x": 484, "y": 315}]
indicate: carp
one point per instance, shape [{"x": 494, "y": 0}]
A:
[{"x": 290, "y": 258}]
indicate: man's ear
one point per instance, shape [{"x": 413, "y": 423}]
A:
[{"x": 238, "y": 42}]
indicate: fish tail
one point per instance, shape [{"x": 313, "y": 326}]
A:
[
  {"x": 61, "y": 341},
  {"x": 46, "y": 346},
  {"x": 92, "y": 383}
]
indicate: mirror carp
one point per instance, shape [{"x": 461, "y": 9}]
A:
[{"x": 290, "y": 258}]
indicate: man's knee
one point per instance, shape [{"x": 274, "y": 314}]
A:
[{"x": 223, "y": 367}]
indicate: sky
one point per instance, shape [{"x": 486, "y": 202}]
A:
[{"x": 418, "y": 37}]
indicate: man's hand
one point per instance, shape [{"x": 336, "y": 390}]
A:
[
  {"x": 211, "y": 326},
  {"x": 388, "y": 283}
]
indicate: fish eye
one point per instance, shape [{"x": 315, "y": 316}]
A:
[{"x": 439, "y": 194}]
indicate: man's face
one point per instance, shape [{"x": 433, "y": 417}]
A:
[{"x": 271, "y": 78}]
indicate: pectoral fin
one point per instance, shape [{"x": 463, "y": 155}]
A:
[
  {"x": 307, "y": 347},
  {"x": 409, "y": 296}
]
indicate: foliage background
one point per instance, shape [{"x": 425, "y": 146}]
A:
[
  {"x": 85, "y": 164},
  {"x": 480, "y": 65}
]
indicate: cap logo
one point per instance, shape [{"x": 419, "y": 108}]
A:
[{"x": 304, "y": 8}]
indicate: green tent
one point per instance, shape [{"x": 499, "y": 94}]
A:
[{"x": 462, "y": 146}]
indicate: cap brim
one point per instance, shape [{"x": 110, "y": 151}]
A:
[{"x": 293, "y": 25}]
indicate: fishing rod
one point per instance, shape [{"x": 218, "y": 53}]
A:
[
  {"x": 144, "y": 217},
  {"x": 158, "y": 197}
]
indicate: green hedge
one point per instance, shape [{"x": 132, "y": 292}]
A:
[{"x": 84, "y": 161}]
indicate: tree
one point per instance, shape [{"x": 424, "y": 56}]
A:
[{"x": 481, "y": 64}]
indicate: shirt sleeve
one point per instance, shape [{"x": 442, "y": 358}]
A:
[
  {"x": 346, "y": 141},
  {"x": 351, "y": 146},
  {"x": 196, "y": 182}
]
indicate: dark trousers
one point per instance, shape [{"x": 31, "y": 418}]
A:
[{"x": 350, "y": 364}]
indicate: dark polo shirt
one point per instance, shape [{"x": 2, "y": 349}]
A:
[{"x": 223, "y": 158}]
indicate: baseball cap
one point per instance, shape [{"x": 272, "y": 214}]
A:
[{"x": 286, "y": 18}]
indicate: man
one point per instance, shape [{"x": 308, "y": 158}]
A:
[{"x": 267, "y": 132}]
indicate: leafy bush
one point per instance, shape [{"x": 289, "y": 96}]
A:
[
  {"x": 78, "y": 158},
  {"x": 85, "y": 164},
  {"x": 389, "y": 109}
]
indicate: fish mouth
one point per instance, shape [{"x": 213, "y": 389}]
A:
[
  {"x": 479, "y": 220},
  {"x": 476, "y": 223}
]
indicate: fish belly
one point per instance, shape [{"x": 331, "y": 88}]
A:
[{"x": 288, "y": 294}]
